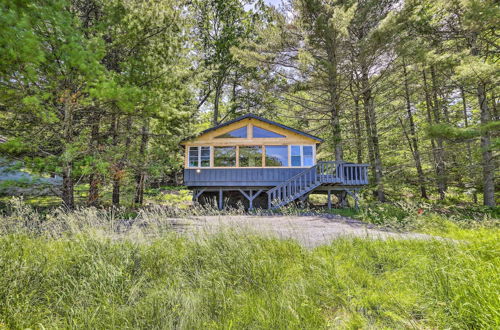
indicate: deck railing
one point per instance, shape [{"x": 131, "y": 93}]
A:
[
  {"x": 354, "y": 174},
  {"x": 321, "y": 173}
]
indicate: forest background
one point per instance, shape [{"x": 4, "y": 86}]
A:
[{"x": 100, "y": 93}]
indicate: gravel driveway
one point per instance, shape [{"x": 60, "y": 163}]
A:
[{"x": 310, "y": 231}]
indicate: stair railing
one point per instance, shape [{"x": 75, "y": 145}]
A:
[
  {"x": 323, "y": 172},
  {"x": 294, "y": 187}
]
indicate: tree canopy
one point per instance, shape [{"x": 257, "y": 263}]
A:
[{"x": 101, "y": 92}]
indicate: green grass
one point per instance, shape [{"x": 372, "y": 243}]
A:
[
  {"x": 236, "y": 281},
  {"x": 66, "y": 270}
]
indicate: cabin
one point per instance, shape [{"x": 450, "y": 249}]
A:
[{"x": 261, "y": 163}]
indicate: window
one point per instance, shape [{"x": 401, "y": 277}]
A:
[
  {"x": 199, "y": 155},
  {"x": 276, "y": 155},
  {"x": 307, "y": 151},
  {"x": 251, "y": 156},
  {"x": 224, "y": 156},
  {"x": 205, "y": 157},
  {"x": 237, "y": 133},
  {"x": 296, "y": 156},
  {"x": 194, "y": 157},
  {"x": 302, "y": 155},
  {"x": 264, "y": 133}
]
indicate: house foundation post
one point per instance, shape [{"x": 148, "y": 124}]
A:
[
  {"x": 197, "y": 194},
  {"x": 220, "y": 199},
  {"x": 251, "y": 196},
  {"x": 329, "y": 199},
  {"x": 250, "y": 200}
]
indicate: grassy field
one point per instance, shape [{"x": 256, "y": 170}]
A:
[{"x": 62, "y": 270}]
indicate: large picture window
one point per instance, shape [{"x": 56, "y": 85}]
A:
[
  {"x": 199, "y": 156},
  {"x": 224, "y": 156},
  {"x": 302, "y": 155},
  {"x": 251, "y": 156},
  {"x": 276, "y": 156}
]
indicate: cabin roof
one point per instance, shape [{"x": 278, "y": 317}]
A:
[{"x": 257, "y": 118}]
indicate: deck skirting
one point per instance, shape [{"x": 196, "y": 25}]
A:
[{"x": 238, "y": 177}]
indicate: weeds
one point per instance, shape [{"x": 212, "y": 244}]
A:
[
  {"x": 241, "y": 280},
  {"x": 68, "y": 270}
]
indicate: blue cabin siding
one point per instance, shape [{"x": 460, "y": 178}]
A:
[{"x": 234, "y": 177}]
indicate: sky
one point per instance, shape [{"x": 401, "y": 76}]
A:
[{"x": 273, "y": 2}]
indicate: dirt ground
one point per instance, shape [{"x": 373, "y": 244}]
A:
[{"x": 310, "y": 231}]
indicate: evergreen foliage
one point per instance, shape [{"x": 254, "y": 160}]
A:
[{"x": 101, "y": 92}]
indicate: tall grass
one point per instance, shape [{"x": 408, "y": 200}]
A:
[{"x": 74, "y": 275}]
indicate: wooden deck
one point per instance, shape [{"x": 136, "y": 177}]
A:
[
  {"x": 328, "y": 172},
  {"x": 282, "y": 185}
]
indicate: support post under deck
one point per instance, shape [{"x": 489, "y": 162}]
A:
[
  {"x": 250, "y": 201},
  {"x": 220, "y": 199},
  {"x": 197, "y": 194},
  {"x": 329, "y": 199},
  {"x": 250, "y": 196}
]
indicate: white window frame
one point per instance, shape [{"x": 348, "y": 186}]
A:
[
  {"x": 301, "y": 146},
  {"x": 199, "y": 156}
]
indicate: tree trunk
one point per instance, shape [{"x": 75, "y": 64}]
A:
[
  {"x": 68, "y": 185},
  {"x": 372, "y": 123},
  {"x": 487, "y": 153},
  {"x": 218, "y": 92},
  {"x": 94, "y": 178},
  {"x": 413, "y": 137},
  {"x": 495, "y": 115},
  {"x": 488, "y": 162},
  {"x": 116, "y": 172},
  {"x": 428, "y": 106},
  {"x": 333, "y": 90},
  {"x": 357, "y": 124},
  {"x": 357, "y": 132},
  {"x": 368, "y": 138},
  {"x": 440, "y": 157},
  {"x": 141, "y": 174},
  {"x": 468, "y": 146},
  {"x": 94, "y": 182}
]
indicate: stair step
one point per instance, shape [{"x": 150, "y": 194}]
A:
[{"x": 289, "y": 199}]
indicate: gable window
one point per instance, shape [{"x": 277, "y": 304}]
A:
[
  {"x": 264, "y": 133},
  {"x": 199, "y": 156},
  {"x": 224, "y": 156},
  {"x": 276, "y": 155},
  {"x": 302, "y": 155},
  {"x": 239, "y": 133},
  {"x": 250, "y": 156}
]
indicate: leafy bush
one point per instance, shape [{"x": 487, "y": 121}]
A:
[{"x": 422, "y": 216}]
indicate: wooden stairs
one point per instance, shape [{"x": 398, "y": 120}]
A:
[{"x": 323, "y": 173}]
